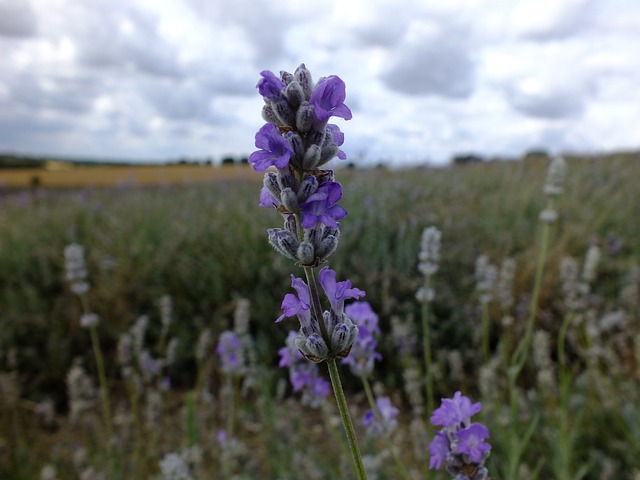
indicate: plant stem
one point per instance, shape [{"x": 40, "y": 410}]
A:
[
  {"x": 426, "y": 347},
  {"x": 485, "y": 332},
  {"x": 520, "y": 355},
  {"x": 104, "y": 394},
  {"x": 346, "y": 418}
]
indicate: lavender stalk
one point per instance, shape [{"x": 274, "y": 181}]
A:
[{"x": 294, "y": 144}]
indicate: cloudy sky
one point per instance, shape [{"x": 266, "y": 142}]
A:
[{"x": 426, "y": 79}]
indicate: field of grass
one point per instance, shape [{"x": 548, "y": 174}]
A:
[
  {"x": 203, "y": 246},
  {"x": 67, "y": 175}
]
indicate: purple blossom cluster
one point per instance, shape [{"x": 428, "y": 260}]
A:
[
  {"x": 230, "y": 352},
  {"x": 292, "y": 146},
  {"x": 304, "y": 376},
  {"x": 460, "y": 445},
  {"x": 386, "y": 420},
  {"x": 363, "y": 352},
  {"x": 336, "y": 335}
]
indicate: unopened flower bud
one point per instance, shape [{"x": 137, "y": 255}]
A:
[
  {"x": 303, "y": 76},
  {"x": 327, "y": 246},
  {"x": 291, "y": 225},
  {"x": 305, "y": 118},
  {"x": 286, "y": 77},
  {"x": 311, "y": 157},
  {"x": 270, "y": 182},
  {"x": 284, "y": 113},
  {"x": 89, "y": 320},
  {"x": 269, "y": 115},
  {"x": 343, "y": 337},
  {"x": 294, "y": 94},
  {"x": 286, "y": 179},
  {"x": 298, "y": 146},
  {"x": 308, "y": 187},
  {"x": 548, "y": 215},
  {"x": 305, "y": 253},
  {"x": 289, "y": 199},
  {"x": 555, "y": 177},
  {"x": 328, "y": 153},
  {"x": 283, "y": 242},
  {"x": 313, "y": 347}
]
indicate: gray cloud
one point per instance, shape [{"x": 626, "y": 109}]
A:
[
  {"x": 17, "y": 18},
  {"x": 125, "y": 39},
  {"x": 551, "y": 104},
  {"x": 550, "y": 19},
  {"x": 432, "y": 60}
]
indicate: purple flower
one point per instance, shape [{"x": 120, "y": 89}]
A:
[
  {"x": 303, "y": 375},
  {"x": 274, "y": 149},
  {"x": 321, "y": 206},
  {"x": 270, "y": 86},
  {"x": 388, "y": 414},
  {"x": 229, "y": 351},
  {"x": 363, "y": 352},
  {"x": 454, "y": 411},
  {"x": 299, "y": 306},
  {"x": 337, "y": 292},
  {"x": 337, "y": 138},
  {"x": 267, "y": 199},
  {"x": 328, "y": 99},
  {"x": 471, "y": 441},
  {"x": 438, "y": 450}
]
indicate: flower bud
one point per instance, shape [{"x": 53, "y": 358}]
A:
[
  {"x": 313, "y": 347},
  {"x": 294, "y": 94},
  {"x": 283, "y": 242},
  {"x": 342, "y": 338},
  {"x": 89, "y": 320},
  {"x": 311, "y": 157},
  {"x": 286, "y": 77},
  {"x": 305, "y": 118},
  {"x": 286, "y": 179},
  {"x": 298, "y": 146},
  {"x": 328, "y": 153},
  {"x": 303, "y": 76},
  {"x": 270, "y": 182},
  {"x": 291, "y": 225},
  {"x": 284, "y": 113},
  {"x": 308, "y": 187},
  {"x": 289, "y": 199},
  {"x": 305, "y": 253},
  {"x": 327, "y": 246},
  {"x": 269, "y": 115}
]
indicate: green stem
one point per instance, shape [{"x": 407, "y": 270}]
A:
[
  {"x": 485, "y": 332},
  {"x": 520, "y": 355},
  {"x": 426, "y": 346},
  {"x": 104, "y": 393},
  {"x": 346, "y": 418}
]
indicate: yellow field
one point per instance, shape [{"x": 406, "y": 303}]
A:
[{"x": 108, "y": 176}]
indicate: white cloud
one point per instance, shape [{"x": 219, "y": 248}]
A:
[{"x": 425, "y": 79}]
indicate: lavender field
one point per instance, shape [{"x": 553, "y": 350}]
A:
[{"x": 138, "y": 334}]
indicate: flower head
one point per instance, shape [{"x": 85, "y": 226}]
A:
[
  {"x": 471, "y": 441},
  {"x": 270, "y": 86},
  {"x": 387, "y": 421},
  {"x": 337, "y": 292},
  {"x": 454, "y": 411},
  {"x": 230, "y": 352},
  {"x": 363, "y": 352},
  {"x": 460, "y": 445},
  {"x": 274, "y": 149},
  {"x": 438, "y": 450},
  {"x": 328, "y": 99},
  {"x": 321, "y": 206}
]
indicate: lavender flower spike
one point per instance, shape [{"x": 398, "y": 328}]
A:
[{"x": 460, "y": 445}]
